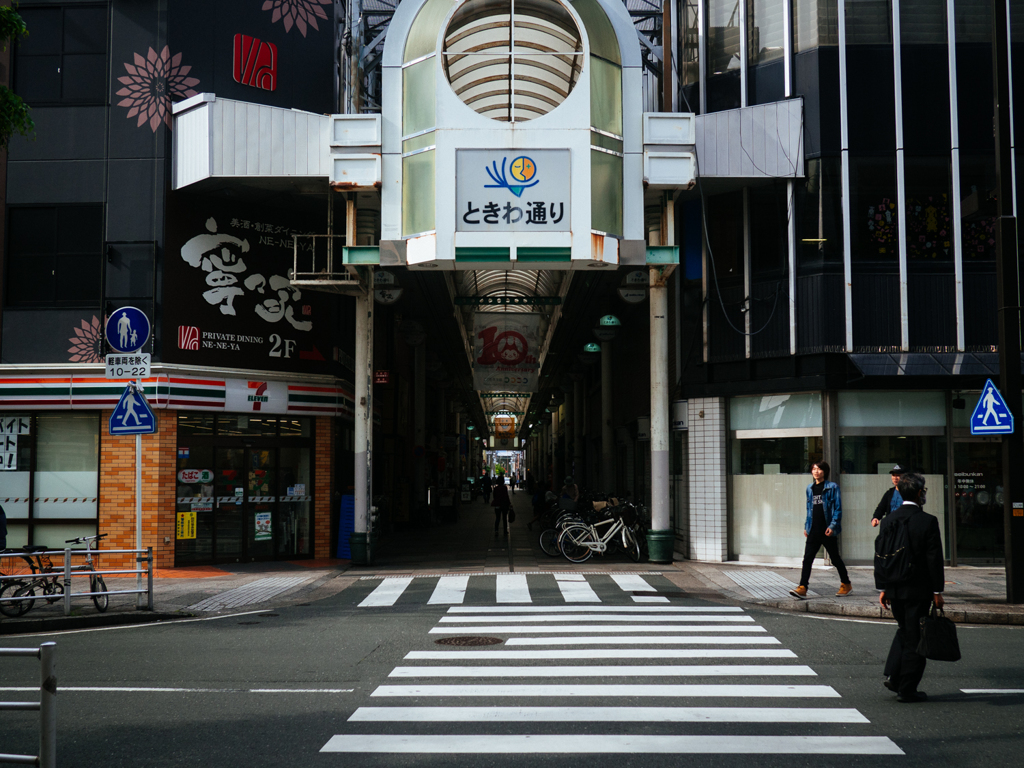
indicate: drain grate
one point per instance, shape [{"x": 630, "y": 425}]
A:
[{"x": 468, "y": 641}]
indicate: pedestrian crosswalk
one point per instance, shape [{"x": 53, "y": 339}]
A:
[
  {"x": 649, "y": 672},
  {"x": 513, "y": 588}
]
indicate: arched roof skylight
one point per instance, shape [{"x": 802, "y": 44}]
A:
[{"x": 512, "y": 60}]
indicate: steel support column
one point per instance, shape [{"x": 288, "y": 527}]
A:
[
  {"x": 660, "y": 538},
  {"x": 362, "y": 542},
  {"x": 607, "y": 447}
]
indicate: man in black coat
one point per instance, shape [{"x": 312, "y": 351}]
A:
[{"x": 910, "y": 600}]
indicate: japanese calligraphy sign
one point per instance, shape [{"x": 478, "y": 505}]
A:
[
  {"x": 512, "y": 190},
  {"x": 505, "y": 351}
]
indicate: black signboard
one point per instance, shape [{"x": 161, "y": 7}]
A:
[
  {"x": 279, "y": 53},
  {"x": 227, "y": 299}
]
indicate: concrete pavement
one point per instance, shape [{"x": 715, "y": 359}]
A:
[{"x": 469, "y": 545}]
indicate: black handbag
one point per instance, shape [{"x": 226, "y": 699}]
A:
[
  {"x": 511, "y": 514},
  {"x": 938, "y": 637}
]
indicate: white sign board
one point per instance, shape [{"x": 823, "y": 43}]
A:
[
  {"x": 512, "y": 190},
  {"x": 505, "y": 351},
  {"x": 680, "y": 420},
  {"x": 134, "y": 366}
]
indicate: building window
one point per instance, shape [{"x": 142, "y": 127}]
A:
[
  {"x": 63, "y": 60},
  {"x": 52, "y": 486},
  {"x": 54, "y": 256}
]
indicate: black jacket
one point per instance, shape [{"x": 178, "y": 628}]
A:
[
  {"x": 885, "y": 505},
  {"x": 926, "y": 575}
]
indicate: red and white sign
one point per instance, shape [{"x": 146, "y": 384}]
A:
[
  {"x": 255, "y": 63},
  {"x": 188, "y": 337},
  {"x": 505, "y": 349},
  {"x": 191, "y": 476},
  {"x": 382, "y": 377},
  {"x": 256, "y": 396}
]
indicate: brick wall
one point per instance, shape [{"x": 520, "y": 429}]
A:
[
  {"x": 117, "y": 491},
  {"x": 323, "y": 469},
  {"x": 709, "y": 515}
]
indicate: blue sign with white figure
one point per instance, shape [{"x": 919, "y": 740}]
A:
[
  {"x": 127, "y": 329},
  {"x": 132, "y": 415},
  {"x": 991, "y": 416}
]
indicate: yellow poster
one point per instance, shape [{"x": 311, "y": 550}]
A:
[{"x": 186, "y": 525}]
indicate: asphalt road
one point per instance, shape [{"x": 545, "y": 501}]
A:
[{"x": 278, "y": 688}]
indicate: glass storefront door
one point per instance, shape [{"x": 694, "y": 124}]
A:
[
  {"x": 260, "y": 501},
  {"x": 978, "y": 465},
  {"x": 229, "y": 503},
  {"x": 244, "y": 489}
]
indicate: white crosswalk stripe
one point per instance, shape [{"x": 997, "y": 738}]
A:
[
  {"x": 518, "y": 588},
  {"x": 630, "y": 668}
]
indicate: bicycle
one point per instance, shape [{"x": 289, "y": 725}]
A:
[
  {"x": 52, "y": 587},
  {"x": 579, "y": 541},
  {"x": 97, "y": 586}
]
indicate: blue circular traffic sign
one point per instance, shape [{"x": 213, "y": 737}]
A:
[{"x": 127, "y": 329}]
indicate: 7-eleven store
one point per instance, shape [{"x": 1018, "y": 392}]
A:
[{"x": 239, "y": 470}]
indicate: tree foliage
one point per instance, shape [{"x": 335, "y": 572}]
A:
[{"x": 14, "y": 117}]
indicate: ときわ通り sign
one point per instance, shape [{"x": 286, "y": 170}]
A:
[{"x": 512, "y": 190}]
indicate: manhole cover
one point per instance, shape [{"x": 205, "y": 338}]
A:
[{"x": 468, "y": 641}]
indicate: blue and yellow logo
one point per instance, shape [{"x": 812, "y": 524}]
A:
[{"x": 523, "y": 171}]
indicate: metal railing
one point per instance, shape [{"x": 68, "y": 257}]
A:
[
  {"x": 67, "y": 570},
  {"x": 46, "y": 707}
]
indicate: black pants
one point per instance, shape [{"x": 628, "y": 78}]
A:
[
  {"x": 815, "y": 540},
  {"x": 905, "y": 666},
  {"x": 501, "y": 519}
]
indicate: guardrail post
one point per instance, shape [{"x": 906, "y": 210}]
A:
[
  {"x": 48, "y": 706},
  {"x": 149, "y": 569},
  {"x": 67, "y": 582}
]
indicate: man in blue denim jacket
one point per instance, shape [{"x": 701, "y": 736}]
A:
[{"x": 822, "y": 527}]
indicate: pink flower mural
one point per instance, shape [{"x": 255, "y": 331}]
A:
[
  {"x": 87, "y": 343},
  {"x": 301, "y": 13},
  {"x": 150, "y": 85}
]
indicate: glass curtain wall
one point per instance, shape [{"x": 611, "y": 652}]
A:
[
  {"x": 874, "y": 213},
  {"x": 766, "y": 51},
  {"x": 931, "y": 293},
  {"x": 878, "y": 430},
  {"x": 774, "y": 439},
  {"x": 973, "y": 29},
  {"x": 689, "y": 68},
  {"x": 722, "y": 70}
]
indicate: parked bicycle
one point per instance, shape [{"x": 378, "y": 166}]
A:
[
  {"x": 18, "y": 595},
  {"x": 579, "y": 541},
  {"x": 21, "y": 590},
  {"x": 97, "y": 586}
]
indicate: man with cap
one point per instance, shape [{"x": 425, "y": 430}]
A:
[{"x": 891, "y": 499}]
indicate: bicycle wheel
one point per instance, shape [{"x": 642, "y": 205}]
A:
[
  {"x": 54, "y": 592},
  {"x": 16, "y": 589},
  {"x": 632, "y": 545},
  {"x": 572, "y": 542},
  {"x": 549, "y": 542},
  {"x": 96, "y": 584}
]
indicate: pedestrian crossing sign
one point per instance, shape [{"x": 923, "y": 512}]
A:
[
  {"x": 991, "y": 416},
  {"x": 132, "y": 415}
]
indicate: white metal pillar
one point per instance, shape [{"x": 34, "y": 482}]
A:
[
  {"x": 361, "y": 548},
  {"x": 607, "y": 448}
]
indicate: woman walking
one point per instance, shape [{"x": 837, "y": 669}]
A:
[{"x": 824, "y": 515}]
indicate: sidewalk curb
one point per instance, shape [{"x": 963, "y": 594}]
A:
[
  {"x": 57, "y": 624},
  {"x": 960, "y": 616}
]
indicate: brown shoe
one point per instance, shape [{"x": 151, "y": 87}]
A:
[
  {"x": 800, "y": 592},
  {"x": 844, "y": 589}
]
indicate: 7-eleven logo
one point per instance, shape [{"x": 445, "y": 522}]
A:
[{"x": 259, "y": 394}]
